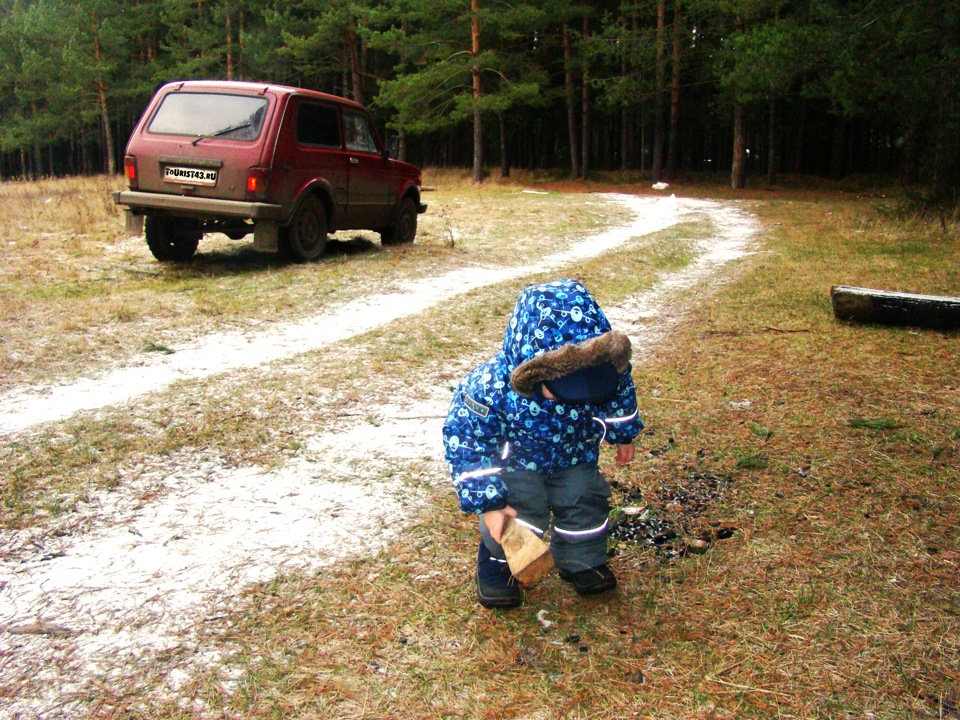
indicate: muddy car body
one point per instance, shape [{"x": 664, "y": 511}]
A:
[{"x": 286, "y": 164}]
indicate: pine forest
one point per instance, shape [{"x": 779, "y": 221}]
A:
[{"x": 745, "y": 89}]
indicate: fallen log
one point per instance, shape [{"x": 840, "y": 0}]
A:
[{"x": 884, "y": 307}]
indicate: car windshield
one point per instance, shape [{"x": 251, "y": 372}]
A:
[{"x": 202, "y": 115}]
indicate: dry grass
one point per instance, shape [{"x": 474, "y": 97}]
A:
[
  {"x": 110, "y": 302},
  {"x": 78, "y": 296},
  {"x": 830, "y": 450}
]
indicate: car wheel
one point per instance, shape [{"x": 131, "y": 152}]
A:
[
  {"x": 172, "y": 239},
  {"x": 306, "y": 235},
  {"x": 404, "y": 230}
]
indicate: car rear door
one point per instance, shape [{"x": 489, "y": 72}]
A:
[{"x": 200, "y": 142}]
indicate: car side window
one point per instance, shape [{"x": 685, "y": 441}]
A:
[
  {"x": 318, "y": 124},
  {"x": 358, "y": 132}
]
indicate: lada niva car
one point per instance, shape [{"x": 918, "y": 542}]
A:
[{"x": 287, "y": 164}]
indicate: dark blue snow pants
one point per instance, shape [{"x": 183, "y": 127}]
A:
[{"x": 572, "y": 504}]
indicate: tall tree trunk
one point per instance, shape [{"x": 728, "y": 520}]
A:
[
  {"x": 477, "y": 119},
  {"x": 773, "y": 130},
  {"x": 229, "y": 29},
  {"x": 107, "y": 133},
  {"x": 585, "y": 105},
  {"x": 624, "y": 139},
  {"x": 659, "y": 90},
  {"x": 571, "y": 105},
  {"x": 643, "y": 139},
  {"x": 240, "y": 73},
  {"x": 355, "y": 74},
  {"x": 773, "y": 142},
  {"x": 624, "y": 116},
  {"x": 738, "y": 170},
  {"x": 105, "y": 114},
  {"x": 84, "y": 157},
  {"x": 504, "y": 155},
  {"x": 674, "y": 95}
]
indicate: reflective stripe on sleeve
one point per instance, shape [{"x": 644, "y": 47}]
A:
[
  {"x": 477, "y": 473},
  {"x": 614, "y": 421},
  {"x": 623, "y": 419}
]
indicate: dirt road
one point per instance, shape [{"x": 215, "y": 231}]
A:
[{"x": 149, "y": 566}]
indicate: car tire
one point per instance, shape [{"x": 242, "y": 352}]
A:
[
  {"x": 306, "y": 235},
  {"x": 172, "y": 239},
  {"x": 404, "y": 229}
]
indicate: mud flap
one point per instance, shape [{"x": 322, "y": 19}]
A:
[
  {"x": 266, "y": 236},
  {"x": 133, "y": 223}
]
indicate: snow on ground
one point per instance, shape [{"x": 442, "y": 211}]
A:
[{"x": 158, "y": 551}]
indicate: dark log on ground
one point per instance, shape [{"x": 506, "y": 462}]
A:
[{"x": 894, "y": 308}]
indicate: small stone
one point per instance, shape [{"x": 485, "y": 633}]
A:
[{"x": 697, "y": 546}]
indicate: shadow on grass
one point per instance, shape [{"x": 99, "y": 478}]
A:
[
  {"x": 357, "y": 245},
  {"x": 242, "y": 258}
]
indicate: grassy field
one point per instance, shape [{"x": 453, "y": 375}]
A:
[{"x": 816, "y": 460}]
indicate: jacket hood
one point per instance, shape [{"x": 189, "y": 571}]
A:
[{"x": 557, "y": 328}]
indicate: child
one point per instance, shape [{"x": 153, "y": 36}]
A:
[{"x": 522, "y": 437}]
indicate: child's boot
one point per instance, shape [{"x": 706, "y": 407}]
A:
[
  {"x": 590, "y": 581},
  {"x": 496, "y": 587}
]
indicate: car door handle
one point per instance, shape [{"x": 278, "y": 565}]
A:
[{"x": 354, "y": 161}]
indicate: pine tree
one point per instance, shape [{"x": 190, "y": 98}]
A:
[{"x": 457, "y": 62}]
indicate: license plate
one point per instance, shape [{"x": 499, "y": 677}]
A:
[{"x": 189, "y": 176}]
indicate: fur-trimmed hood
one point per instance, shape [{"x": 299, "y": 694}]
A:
[
  {"x": 557, "y": 328},
  {"x": 611, "y": 347}
]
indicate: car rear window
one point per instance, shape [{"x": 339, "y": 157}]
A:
[
  {"x": 237, "y": 117},
  {"x": 318, "y": 125}
]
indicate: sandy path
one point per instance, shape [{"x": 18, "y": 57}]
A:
[
  {"x": 224, "y": 352},
  {"x": 138, "y": 579}
]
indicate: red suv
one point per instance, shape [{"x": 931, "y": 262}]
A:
[{"x": 287, "y": 164}]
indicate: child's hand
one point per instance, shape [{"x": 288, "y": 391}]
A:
[
  {"x": 625, "y": 453},
  {"x": 496, "y": 519}
]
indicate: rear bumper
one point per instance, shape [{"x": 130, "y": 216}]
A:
[{"x": 141, "y": 203}]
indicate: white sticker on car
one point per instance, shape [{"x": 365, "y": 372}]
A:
[{"x": 189, "y": 176}]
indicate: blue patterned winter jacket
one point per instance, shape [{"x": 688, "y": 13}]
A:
[{"x": 500, "y": 422}]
